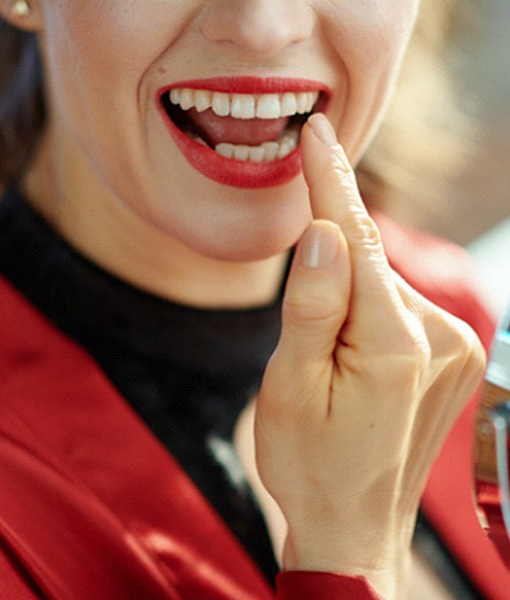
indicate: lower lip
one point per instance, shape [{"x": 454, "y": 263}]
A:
[{"x": 234, "y": 173}]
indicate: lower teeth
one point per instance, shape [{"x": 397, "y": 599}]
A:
[{"x": 266, "y": 152}]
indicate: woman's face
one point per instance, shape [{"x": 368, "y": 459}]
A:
[{"x": 188, "y": 111}]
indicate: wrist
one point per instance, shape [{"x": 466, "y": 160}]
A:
[{"x": 383, "y": 560}]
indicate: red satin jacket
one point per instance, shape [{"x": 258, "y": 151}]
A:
[{"x": 93, "y": 507}]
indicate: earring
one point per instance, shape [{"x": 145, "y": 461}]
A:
[{"x": 21, "y": 8}]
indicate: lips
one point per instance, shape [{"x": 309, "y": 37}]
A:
[{"x": 242, "y": 132}]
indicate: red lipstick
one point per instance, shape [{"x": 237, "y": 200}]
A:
[{"x": 229, "y": 171}]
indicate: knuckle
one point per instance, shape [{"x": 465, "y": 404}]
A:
[
  {"x": 364, "y": 231},
  {"x": 410, "y": 336},
  {"x": 412, "y": 366},
  {"x": 405, "y": 364},
  {"x": 410, "y": 352},
  {"x": 342, "y": 169},
  {"x": 463, "y": 340},
  {"x": 420, "y": 353},
  {"x": 460, "y": 346},
  {"x": 473, "y": 351}
]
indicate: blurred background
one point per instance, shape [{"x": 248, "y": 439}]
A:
[
  {"x": 484, "y": 73},
  {"x": 483, "y": 192},
  {"x": 476, "y": 213}
]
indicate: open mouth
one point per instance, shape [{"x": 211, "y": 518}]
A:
[
  {"x": 241, "y": 131},
  {"x": 247, "y": 127}
]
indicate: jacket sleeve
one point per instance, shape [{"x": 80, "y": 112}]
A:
[{"x": 305, "y": 585}]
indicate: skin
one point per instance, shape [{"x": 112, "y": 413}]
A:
[
  {"x": 374, "y": 370},
  {"x": 109, "y": 142},
  {"x": 384, "y": 374}
]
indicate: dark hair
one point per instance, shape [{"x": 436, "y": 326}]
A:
[{"x": 22, "y": 109}]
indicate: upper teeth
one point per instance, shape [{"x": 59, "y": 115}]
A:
[{"x": 245, "y": 106}]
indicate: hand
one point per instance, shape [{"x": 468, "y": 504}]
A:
[{"x": 366, "y": 381}]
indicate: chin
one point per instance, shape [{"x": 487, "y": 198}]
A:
[
  {"x": 227, "y": 224},
  {"x": 255, "y": 246},
  {"x": 253, "y": 240}
]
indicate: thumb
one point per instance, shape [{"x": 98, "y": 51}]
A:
[{"x": 317, "y": 295}]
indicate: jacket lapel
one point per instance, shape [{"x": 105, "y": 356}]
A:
[{"x": 84, "y": 484}]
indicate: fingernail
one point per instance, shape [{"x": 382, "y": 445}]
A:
[
  {"x": 323, "y": 129},
  {"x": 319, "y": 246}
]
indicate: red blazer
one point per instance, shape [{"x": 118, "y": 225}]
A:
[{"x": 93, "y": 507}]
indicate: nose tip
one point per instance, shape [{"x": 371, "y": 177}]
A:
[{"x": 262, "y": 27}]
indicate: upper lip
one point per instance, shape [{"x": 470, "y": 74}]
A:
[{"x": 251, "y": 85}]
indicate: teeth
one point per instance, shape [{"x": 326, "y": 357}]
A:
[
  {"x": 186, "y": 99},
  {"x": 264, "y": 153},
  {"x": 248, "y": 106},
  {"x": 175, "y": 95},
  {"x": 245, "y": 106},
  {"x": 303, "y": 102},
  {"x": 203, "y": 100},
  {"x": 268, "y": 107},
  {"x": 287, "y": 145},
  {"x": 288, "y": 105},
  {"x": 220, "y": 104}
]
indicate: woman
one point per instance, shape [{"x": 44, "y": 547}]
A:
[{"x": 145, "y": 242}]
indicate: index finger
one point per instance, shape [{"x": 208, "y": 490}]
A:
[{"x": 334, "y": 196}]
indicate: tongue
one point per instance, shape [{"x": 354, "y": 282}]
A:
[{"x": 250, "y": 132}]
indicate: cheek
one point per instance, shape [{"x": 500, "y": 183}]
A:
[
  {"x": 99, "y": 52},
  {"x": 370, "y": 36},
  {"x": 368, "y": 39},
  {"x": 110, "y": 40},
  {"x": 99, "y": 55}
]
